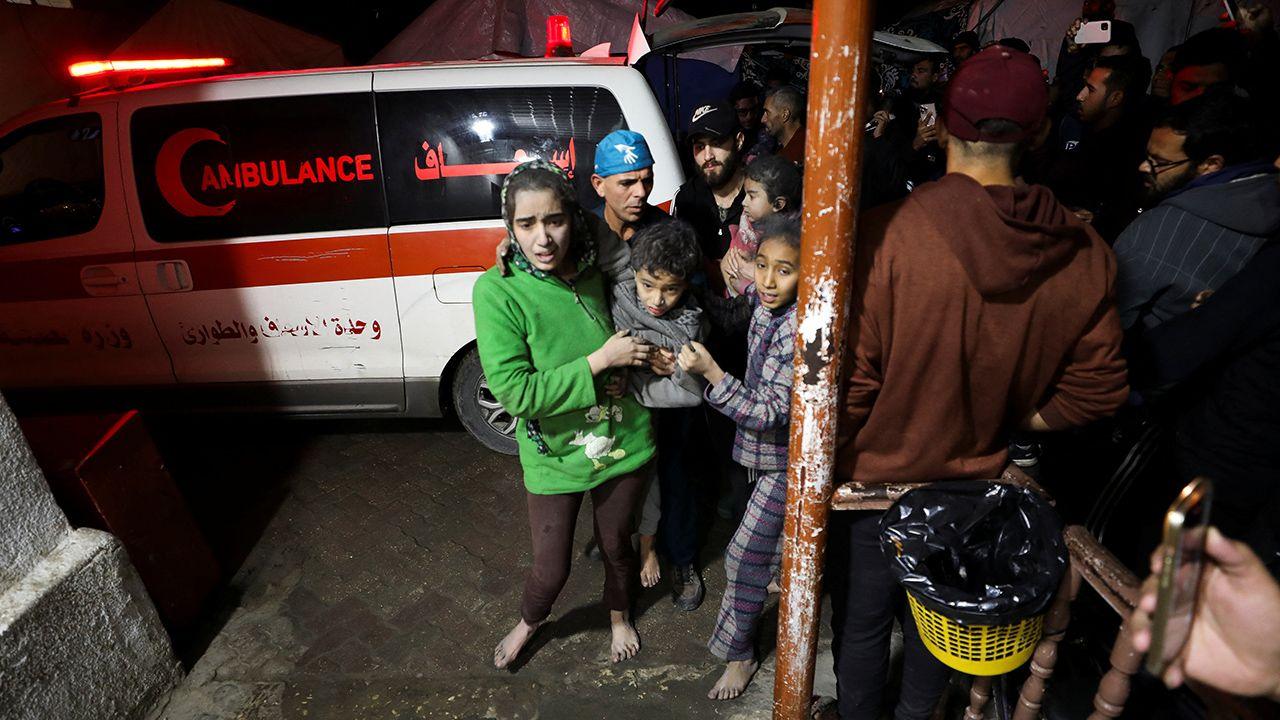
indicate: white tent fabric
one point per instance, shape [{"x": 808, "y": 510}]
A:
[
  {"x": 472, "y": 29},
  {"x": 1160, "y": 25},
  {"x": 26, "y": 79},
  {"x": 209, "y": 28},
  {"x": 37, "y": 43}
]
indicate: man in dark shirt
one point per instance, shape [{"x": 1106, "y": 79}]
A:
[
  {"x": 963, "y": 46},
  {"x": 1090, "y": 163},
  {"x": 927, "y": 159},
  {"x": 711, "y": 201},
  {"x": 745, "y": 98},
  {"x": 1074, "y": 60},
  {"x": 784, "y": 119},
  {"x": 1207, "y": 59}
]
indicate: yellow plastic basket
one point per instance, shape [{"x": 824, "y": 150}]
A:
[{"x": 977, "y": 649}]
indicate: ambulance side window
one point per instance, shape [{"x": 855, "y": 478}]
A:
[
  {"x": 446, "y": 152},
  {"x": 51, "y": 179},
  {"x": 261, "y": 166}
]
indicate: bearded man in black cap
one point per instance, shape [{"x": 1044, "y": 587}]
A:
[{"x": 711, "y": 201}]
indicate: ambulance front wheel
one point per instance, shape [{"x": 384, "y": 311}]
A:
[{"x": 478, "y": 410}]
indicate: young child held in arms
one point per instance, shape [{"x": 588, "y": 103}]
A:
[
  {"x": 760, "y": 405},
  {"x": 772, "y": 185},
  {"x": 655, "y": 305}
]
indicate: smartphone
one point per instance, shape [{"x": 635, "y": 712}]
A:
[
  {"x": 1097, "y": 32},
  {"x": 1182, "y": 563},
  {"x": 929, "y": 113}
]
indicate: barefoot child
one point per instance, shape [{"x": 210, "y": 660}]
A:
[
  {"x": 546, "y": 339},
  {"x": 772, "y": 186},
  {"x": 760, "y": 405},
  {"x": 656, "y": 306}
]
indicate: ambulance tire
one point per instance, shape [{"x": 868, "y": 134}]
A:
[{"x": 477, "y": 409}]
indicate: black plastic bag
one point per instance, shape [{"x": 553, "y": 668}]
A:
[{"x": 979, "y": 553}]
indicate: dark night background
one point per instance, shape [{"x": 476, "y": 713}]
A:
[{"x": 363, "y": 28}]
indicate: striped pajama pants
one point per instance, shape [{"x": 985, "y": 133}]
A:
[{"x": 751, "y": 559}]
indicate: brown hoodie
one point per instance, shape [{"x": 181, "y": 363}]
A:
[{"x": 975, "y": 307}]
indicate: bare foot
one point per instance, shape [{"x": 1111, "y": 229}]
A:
[
  {"x": 512, "y": 644},
  {"x": 650, "y": 570},
  {"x": 626, "y": 641},
  {"x": 737, "y": 674}
]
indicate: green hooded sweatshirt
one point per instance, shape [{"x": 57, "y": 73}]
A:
[{"x": 534, "y": 332}]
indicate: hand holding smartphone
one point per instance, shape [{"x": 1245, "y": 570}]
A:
[
  {"x": 1234, "y": 623},
  {"x": 1181, "y": 565}
]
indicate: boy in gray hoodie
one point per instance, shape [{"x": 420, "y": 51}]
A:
[{"x": 655, "y": 304}]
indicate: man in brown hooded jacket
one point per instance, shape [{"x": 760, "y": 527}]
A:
[{"x": 982, "y": 306}]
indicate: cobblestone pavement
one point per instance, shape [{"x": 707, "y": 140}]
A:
[{"x": 377, "y": 564}]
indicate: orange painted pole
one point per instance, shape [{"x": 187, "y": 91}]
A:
[{"x": 839, "y": 78}]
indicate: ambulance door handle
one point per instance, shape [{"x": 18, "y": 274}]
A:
[
  {"x": 174, "y": 275},
  {"x": 104, "y": 280}
]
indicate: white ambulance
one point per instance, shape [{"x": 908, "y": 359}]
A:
[{"x": 302, "y": 242}]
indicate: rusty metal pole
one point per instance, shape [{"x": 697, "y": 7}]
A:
[{"x": 839, "y": 75}]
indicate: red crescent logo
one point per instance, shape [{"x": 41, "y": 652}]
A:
[{"x": 169, "y": 177}]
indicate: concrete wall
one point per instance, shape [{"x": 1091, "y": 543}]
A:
[
  {"x": 79, "y": 638},
  {"x": 32, "y": 523}
]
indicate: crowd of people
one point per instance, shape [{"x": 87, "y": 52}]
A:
[{"x": 1033, "y": 257}]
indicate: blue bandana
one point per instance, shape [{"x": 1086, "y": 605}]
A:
[{"x": 622, "y": 151}]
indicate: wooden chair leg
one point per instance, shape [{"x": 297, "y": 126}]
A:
[
  {"x": 979, "y": 695},
  {"x": 1113, "y": 691},
  {"x": 1046, "y": 655}
]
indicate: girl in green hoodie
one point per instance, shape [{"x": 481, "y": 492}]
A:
[{"x": 546, "y": 340}]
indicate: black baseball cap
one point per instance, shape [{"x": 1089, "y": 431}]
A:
[{"x": 717, "y": 120}]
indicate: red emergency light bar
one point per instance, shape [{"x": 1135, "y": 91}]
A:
[
  {"x": 94, "y": 68},
  {"x": 559, "y": 44}
]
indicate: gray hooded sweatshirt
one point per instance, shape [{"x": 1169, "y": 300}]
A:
[
  {"x": 1195, "y": 240},
  {"x": 673, "y": 330}
]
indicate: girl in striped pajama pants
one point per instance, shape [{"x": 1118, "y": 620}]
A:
[
  {"x": 750, "y": 563},
  {"x": 760, "y": 405}
]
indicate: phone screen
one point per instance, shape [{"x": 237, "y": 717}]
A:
[
  {"x": 928, "y": 113},
  {"x": 1186, "y": 525}
]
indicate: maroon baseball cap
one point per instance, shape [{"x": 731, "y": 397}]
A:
[{"x": 999, "y": 82}]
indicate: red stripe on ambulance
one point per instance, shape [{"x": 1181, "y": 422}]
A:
[{"x": 221, "y": 266}]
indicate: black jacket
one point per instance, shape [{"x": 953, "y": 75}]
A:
[
  {"x": 1096, "y": 171},
  {"x": 696, "y": 205},
  {"x": 1216, "y": 372}
]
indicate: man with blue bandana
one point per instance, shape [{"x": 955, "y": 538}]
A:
[{"x": 623, "y": 177}]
